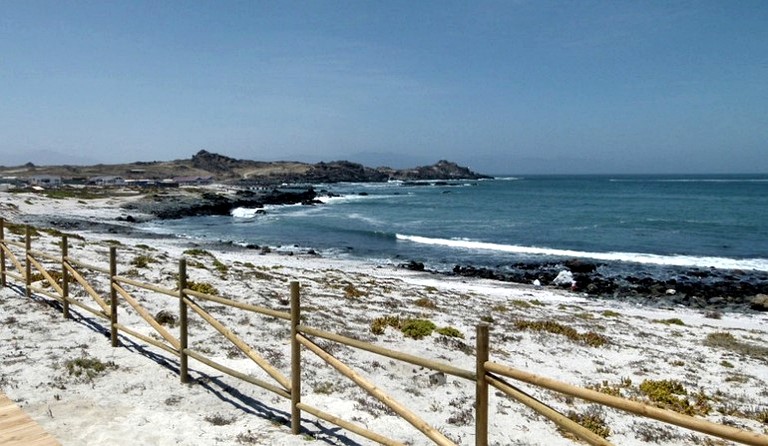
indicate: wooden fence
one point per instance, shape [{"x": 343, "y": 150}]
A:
[{"x": 21, "y": 259}]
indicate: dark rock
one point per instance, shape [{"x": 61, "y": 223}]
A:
[
  {"x": 413, "y": 266},
  {"x": 759, "y": 302},
  {"x": 580, "y": 266}
]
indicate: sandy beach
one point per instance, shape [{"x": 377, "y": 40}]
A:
[{"x": 720, "y": 360}]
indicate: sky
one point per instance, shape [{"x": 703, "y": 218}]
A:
[{"x": 504, "y": 87}]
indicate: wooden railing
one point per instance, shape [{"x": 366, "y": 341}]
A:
[{"x": 486, "y": 373}]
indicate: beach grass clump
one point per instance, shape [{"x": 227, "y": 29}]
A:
[
  {"x": 220, "y": 267},
  {"x": 426, "y": 303},
  {"x": 19, "y": 229},
  {"x": 56, "y": 233},
  {"x": 521, "y": 304},
  {"x": 727, "y": 341},
  {"x": 324, "y": 388},
  {"x": 142, "y": 260},
  {"x": 202, "y": 287},
  {"x": 451, "y": 332},
  {"x": 197, "y": 252},
  {"x": 589, "y": 338},
  {"x": 593, "y": 419},
  {"x": 350, "y": 292},
  {"x": 55, "y": 275},
  {"x": 380, "y": 324},
  {"x": 612, "y": 389},
  {"x": 219, "y": 419},
  {"x": 671, "y": 394},
  {"x": 88, "y": 368},
  {"x": 671, "y": 321}
]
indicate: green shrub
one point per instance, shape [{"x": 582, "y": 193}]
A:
[
  {"x": 670, "y": 394},
  {"x": 202, "y": 287},
  {"x": 417, "y": 328},
  {"x": 451, "y": 332},
  {"x": 412, "y": 328}
]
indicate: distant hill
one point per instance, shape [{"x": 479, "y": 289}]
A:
[{"x": 230, "y": 170}]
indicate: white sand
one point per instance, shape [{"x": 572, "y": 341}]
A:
[{"x": 139, "y": 400}]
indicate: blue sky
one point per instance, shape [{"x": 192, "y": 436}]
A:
[{"x": 502, "y": 86}]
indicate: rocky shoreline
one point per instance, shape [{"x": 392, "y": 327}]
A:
[
  {"x": 173, "y": 205},
  {"x": 705, "y": 289},
  {"x": 713, "y": 290}
]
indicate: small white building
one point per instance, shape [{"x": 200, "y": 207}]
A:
[
  {"x": 109, "y": 180},
  {"x": 45, "y": 180}
]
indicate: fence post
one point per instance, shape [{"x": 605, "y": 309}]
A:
[
  {"x": 481, "y": 399},
  {"x": 183, "y": 359},
  {"x": 28, "y": 266},
  {"x": 295, "y": 359},
  {"x": 2, "y": 252},
  {"x": 113, "y": 294},
  {"x": 64, "y": 276}
]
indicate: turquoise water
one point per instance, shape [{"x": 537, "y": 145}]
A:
[{"x": 698, "y": 221}]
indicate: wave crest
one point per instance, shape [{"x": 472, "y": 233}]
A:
[{"x": 635, "y": 257}]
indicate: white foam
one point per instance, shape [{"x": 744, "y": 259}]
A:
[{"x": 654, "y": 259}]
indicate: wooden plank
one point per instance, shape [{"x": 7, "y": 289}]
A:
[
  {"x": 88, "y": 288},
  {"x": 148, "y": 317},
  {"x": 542, "y": 409},
  {"x": 243, "y": 306},
  {"x": 240, "y": 344},
  {"x": 416, "y": 360},
  {"x": 98, "y": 269},
  {"x": 644, "y": 410},
  {"x": 13, "y": 259},
  {"x": 45, "y": 274},
  {"x": 377, "y": 393},
  {"x": 147, "y": 286},
  {"x": 352, "y": 427},
  {"x": 232, "y": 372},
  {"x": 18, "y": 429}
]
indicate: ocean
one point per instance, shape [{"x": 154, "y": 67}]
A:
[{"x": 627, "y": 222}]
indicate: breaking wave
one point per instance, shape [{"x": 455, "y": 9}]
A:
[{"x": 634, "y": 257}]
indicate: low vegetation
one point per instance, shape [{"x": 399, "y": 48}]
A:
[
  {"x": 727, "y": 341},
  {"x": 589, "y": 338},
  {"x": 202, "y": 287},
  {"x": 671, "y": 394},
  {"x": 593, "y": 419},
  {"x": 88, "y": 368}
]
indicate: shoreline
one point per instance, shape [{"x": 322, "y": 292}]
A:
[
  {"x": 706, "y": 289},
  {"x": 140, "y": 401}
]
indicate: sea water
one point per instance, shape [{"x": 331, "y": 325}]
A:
[{"x": 718, "y": 221}]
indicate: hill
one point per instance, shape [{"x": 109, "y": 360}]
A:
[{"x": 224, "y": 169}]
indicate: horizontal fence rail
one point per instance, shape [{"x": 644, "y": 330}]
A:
[{"x": 56, "y": 285}]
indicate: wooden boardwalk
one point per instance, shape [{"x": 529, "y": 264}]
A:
[{"x": 18, "y": 429}]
